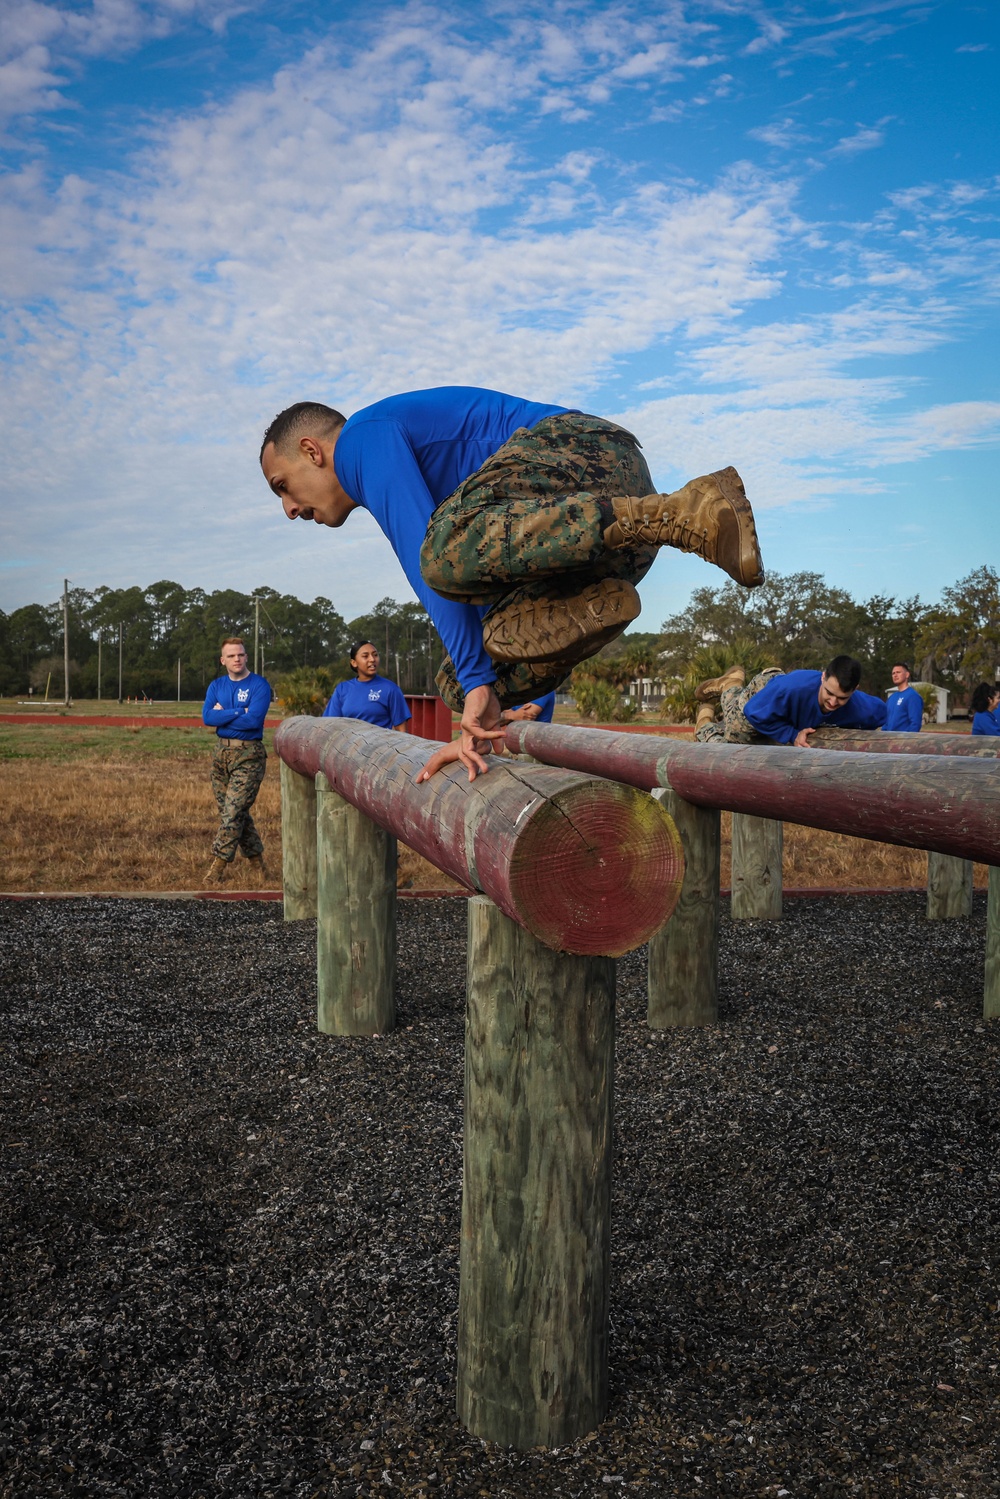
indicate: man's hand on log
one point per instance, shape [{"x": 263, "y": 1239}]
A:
[
  {"x": 803, "y": 737},
  {"x": 480, "y": 727}
]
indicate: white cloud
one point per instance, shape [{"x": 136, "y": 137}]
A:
[{"x": 865, "y": 138}]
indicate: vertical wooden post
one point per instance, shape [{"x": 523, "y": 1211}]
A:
[
  {"x": 758, "y": 844},
  {"x": 991, "y": 986},
  {"x": 683, "y": 983},
  {"x": 536, "y": 1191},
  {"x": 949, "y": 887},
  {"x": 298, "y": 844},
  {"x": 355, "y": 919}
]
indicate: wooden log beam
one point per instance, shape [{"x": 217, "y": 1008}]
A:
[
  {"x": 683, "y": 972},
  {"x": 758, "y": 845},
  {"x": 949, "y": 887},
  {"x": 298, "y": 844},
  {"x": 991, "y": 986},
  {"x": 948, "y": 804},
  {"x": 355, "y": 920},
  {"x": 536, "y": 1188},
  {"x": 982, "y": 746},
  {"x": 587, "y": 866}
]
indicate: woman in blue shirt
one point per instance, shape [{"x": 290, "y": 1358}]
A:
[
  {"x": 371, "y": 698},
  {"x": 985, "y": 700}
]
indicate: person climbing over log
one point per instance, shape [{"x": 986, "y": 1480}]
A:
[
  {"x": 522, "y": 528},
  {"x": 777, "y": 707}
]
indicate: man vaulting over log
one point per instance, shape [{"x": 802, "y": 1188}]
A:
[{"x": 522, "y": 528}]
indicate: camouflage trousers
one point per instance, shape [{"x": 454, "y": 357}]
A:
[
  {"x": 735, "y": 727},
  {"x": 237, "y": 770},
  {"x": 533, "y": 518}
]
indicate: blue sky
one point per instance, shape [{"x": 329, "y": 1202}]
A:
[{"x": 762, "y": 233}]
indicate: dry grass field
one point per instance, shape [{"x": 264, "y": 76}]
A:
[{"x": 108, "y": 809}]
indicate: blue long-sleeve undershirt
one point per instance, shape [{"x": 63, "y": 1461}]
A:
[
  {"x": 904, "y": 712},
  {"x": 401, "y": 457},
  {"x": 243, "y": 706},
  {"x": 790, "y": 702}
]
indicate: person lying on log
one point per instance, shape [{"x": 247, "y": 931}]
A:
[
  {"x": 522, "y": 528},
  {"x": 777, "y": 707}
]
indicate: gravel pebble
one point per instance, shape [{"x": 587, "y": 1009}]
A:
[{"x": 230, "y": 1245}]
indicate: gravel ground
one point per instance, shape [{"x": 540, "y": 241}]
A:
[{"x": 230, "y": 1245}]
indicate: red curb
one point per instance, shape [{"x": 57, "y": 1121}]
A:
[{"x": 804, "y": 891}]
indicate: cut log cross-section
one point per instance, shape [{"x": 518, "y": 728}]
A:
[{"x": 585, "y": 864}]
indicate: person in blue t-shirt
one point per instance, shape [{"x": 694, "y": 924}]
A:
[
  {"x": 984, "y": 705},
  {"x": 372, "y": 698},
  {"x": 778, "y": 707},
  {"x": 904, "y": 705},
  {"x": 235, "y": 707},
  {"x": 521, "y": 527}
]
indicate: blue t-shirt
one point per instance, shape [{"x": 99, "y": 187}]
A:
[
  {"x": 904, "y": 712},
  {"x": 547, "y": 705},
  {"x": 378, "y": 701},
  {"x": 244, "y": 706},
  {"x": 790, "y": 702},
  {"x": 401, "y": 457},
  {"x": 986, "y": 723}
]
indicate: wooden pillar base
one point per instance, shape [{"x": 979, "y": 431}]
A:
[
  {"x": 991, "y": 985},
  {"x": 356, "y": 919},
  {"x": 536, "y": 1196},
  {"x": 298, "y": 844},
  {"x": 758, "y": 845},
  {"x": 683, "y": 984},
  {"x": 949, "y": 887}
]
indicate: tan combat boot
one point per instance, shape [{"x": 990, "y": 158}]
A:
[
  {"x": 218, "y": 872},
  {"x": 711, "y": 690},
  {"x": 260, "y": 869},
  {"x": 704, "y": 715},
  {"x": 710, "y": 516},
  {"x": 544, "y": 621}
]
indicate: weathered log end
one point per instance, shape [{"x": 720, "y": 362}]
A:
[{"x": 597, "y": 870}]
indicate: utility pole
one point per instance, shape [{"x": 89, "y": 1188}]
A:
[
  {"x": 256, "y": 631},
  {"x": 65, "y": 642},
  {"x": 178, "y": 678},
  {"x": 120, "y": 634},
  {"x": 100, "y": 642}
]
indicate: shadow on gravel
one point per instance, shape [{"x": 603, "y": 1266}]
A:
[{"x": 230, "y": 1245}]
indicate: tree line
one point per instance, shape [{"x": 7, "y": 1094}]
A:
[
  {"x": 133, "y": 642},
  {"x": 793, "y": 620}
]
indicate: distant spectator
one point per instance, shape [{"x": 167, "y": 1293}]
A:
[
  {"x": 985, "y": 701},
  {"x": 904, "y": 706},
  {"x": 371, "y": 698},
  {"x": 787, "y": 707},
  {"x": 235, "y": 708}
]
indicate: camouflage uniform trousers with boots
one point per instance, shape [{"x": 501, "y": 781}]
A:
[
  {"x": 526, "y": 531},
  {"x": 237, "y": 770},
  {"x": 735, "y": 727}
]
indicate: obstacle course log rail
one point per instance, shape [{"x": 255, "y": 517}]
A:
[
  {"x": 981, "y": 746},
  {"x": 948, "y": 804},
  {"x": 585, "y": 865}
]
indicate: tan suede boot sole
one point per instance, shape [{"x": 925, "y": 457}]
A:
[
  {"x": 710, "y": 516},
  {"x": 217, "y": 873},
  {"x": 527, "y": 627},
  {"x": 711, "y": 690}
]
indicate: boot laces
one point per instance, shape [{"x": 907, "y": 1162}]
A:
[{"x": 666, "y": 532}]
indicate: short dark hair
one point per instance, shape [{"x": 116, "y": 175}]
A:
[
  {"x": 304, "y": 419},
  {"x": 981, "y": 696},
  {"x": 905, "y": 665},
  {"x": 846, "y": 670},
  {"x": 357, "y": 646}
]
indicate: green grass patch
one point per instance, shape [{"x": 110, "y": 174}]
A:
[{"x": 63, "y": 744}]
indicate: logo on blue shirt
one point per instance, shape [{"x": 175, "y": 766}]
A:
[{"x": 243, "y": 695}]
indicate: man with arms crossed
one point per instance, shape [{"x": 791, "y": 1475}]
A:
[
  {"x": 522, "y": 528},
  {"x": 235, "y": 707}
]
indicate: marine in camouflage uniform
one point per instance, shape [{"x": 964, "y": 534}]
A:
[
  {"x": 530, "y": 524},
  {"x": 238, "y": 768},
  {"x": 735, "y": 727}
]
